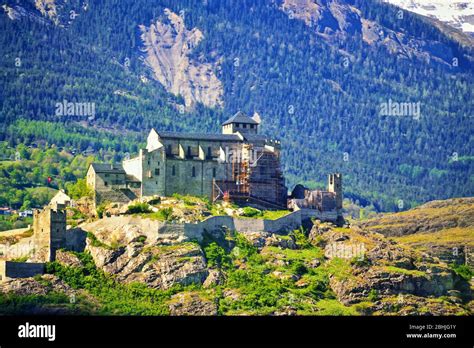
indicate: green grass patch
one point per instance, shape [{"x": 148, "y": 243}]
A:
[
  {"x": 340, "y": 268},
  {"x": 415, "y": 273}
]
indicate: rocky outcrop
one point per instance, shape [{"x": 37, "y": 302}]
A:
[
  {"x": 159, "y": 267},
  {"x": 33, "y": 286},
  {"x": 215, "y": 277},
  {"x": 368, "y": 263},
  {"x": 61, "y": 12},
  {"x": 192, "y": 303},
  {"x": 262, "y": 239},
  {"x": 443, "y": 229},
  {"x": 66, "y": 258},
  {"x": 430, "y": 217},
  {"x": 168, "y": 46}
]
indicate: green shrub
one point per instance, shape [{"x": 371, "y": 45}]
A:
[
  {"x": 138, "y": 208},
  {"x": 164, "y": 214},
  {"x": 463, "y": 271},
  {"x": 77, "y": 214},
  {"x": 243, "y": 248},
  {"x": 300, "y": 238},
  {"x": 298, "y": 268},
  {"x": 141, "y": 239},
  {"x": 97, "y": 243},
  {"x": 373, "y": 295},
  {"x": 251, "y": 212},
  {"x": 79, "y": 189},
  {"x": 100, "y": 210},
  {"x": 216, "y": 256}
]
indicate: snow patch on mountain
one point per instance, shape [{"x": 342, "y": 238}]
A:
[{"x": 457, "y": 13}]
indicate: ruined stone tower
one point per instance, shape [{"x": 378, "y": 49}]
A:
[
  {"x": 49, "y": 226},
  {"x": 335, "y": 185}
]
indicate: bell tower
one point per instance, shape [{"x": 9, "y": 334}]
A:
[
  {"x": 335, "y": 185},
  {"x": 240, "y": 123}
]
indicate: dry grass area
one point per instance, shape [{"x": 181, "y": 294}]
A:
[
  {"x": 432, "y": 217},
  {"x": 451, "y": 236},
  {"x": 14, "y": 236}
]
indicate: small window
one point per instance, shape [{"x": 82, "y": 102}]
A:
[
  {"x": 245, "y": 125},
  {"x": 148, "y": 162},
  {"x": 106, "y": 175},
  {"x": 157, "y": 171},
  {"x": 169, "y": 150},
  {"x": 194, "y": 172},
  {"x": 106, "y": 183},
  {"x": 173, "y": 170},
  {"x": 213, "y": 172},
  {"x": 189, "y": 151},
  {"x": 209, "y": 152}
]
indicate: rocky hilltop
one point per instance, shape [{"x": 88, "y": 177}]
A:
[
  {"x": 443, "y": 229},
  {"x": 322, "y": 269}
]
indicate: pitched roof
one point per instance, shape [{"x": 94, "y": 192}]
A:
[
  {"x": 200, "y": 136},
  {"x": 240, "y": 117},
  {"x": 108, "y": 168},
  {"x": 61, "y": 197}
]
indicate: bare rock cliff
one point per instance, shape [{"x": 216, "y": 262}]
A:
[{"x": 168, "y": 46}]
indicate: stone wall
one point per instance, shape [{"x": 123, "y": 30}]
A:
[
  {"x": 49, "y": 229},
  {"x": 10, "y": 269},
  {"x": 133, "y": 166},
  {"x": 282, "y": 225}
]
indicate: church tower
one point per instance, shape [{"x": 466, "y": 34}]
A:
[
  {"x": 335, "y": 185},
  {"x": 240, "y": 123}
]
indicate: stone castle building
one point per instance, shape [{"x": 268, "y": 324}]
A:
[
  {"x": 238, "y": 164},
  {"x": 330, "y": 200}
]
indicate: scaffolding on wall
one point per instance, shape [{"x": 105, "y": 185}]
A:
[{"x": 256, "y": 179}]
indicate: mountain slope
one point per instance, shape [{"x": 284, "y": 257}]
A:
[
  {"x": 319, "y": 92},
  {"x": 456, "y": 13}
]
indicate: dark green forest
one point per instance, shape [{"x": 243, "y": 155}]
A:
[{"x": 323, "y": 109}]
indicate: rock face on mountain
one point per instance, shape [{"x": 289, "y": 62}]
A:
[
  {"x": 192, "y": 303},
  {"x": 381, "y": 269},
  {"x": 61, "y": 12},
  {"x": 157, "y": 266},
  {"x": 168, "y": 46},
  {"x": 444, "y": 229},
  {"x": 30, "y": 286},
  {"x": 336, "y": 20},
  {"x": 430, "y": 217}
]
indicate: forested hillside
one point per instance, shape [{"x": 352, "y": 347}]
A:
[{"x": 319, "y": 93}]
